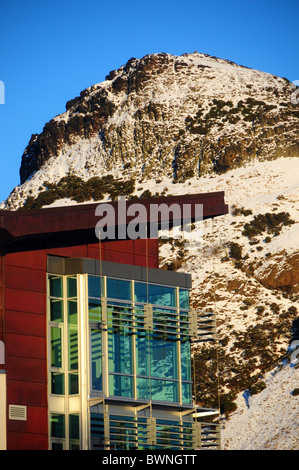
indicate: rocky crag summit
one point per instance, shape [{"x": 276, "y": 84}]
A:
[{"x": 174, "y": 116}]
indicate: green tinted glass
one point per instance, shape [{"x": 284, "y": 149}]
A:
[
  {"x": 121, "y": 386},
  {"x": 142, "y": 355},
  {"x": 72, "y": 287},
  {"x": 57, "y": 383},
  {"x": 73, "y": 384},
  {"x": 57, "y": 446},
  {"x": 185, "y": 360},
  {"x": 94, "y": 309},
  {"x": 120, "y": 353},
  {"x": 57, "y": 422},
  {"x": 56, "y": 310},
  {"x": 96, "y": 359},
  {"x": 74, "y": 426},
  {"x": 140, "y": 292},
  {"x": 157, "y": 295},
  {"x": 73, "y": 349},
  {"x": 184, "y": 298},
  {"x": 163, "y": 390},
  {"x": 164, "y": 358},
  {"x": 56, "y": 347},
  {"x": 118, "y": 289},
  {"x": 186, "y": 392},
  {"x": 72, "y": 312},
  {"x": 94, "y": 286},
  {"x": 55, "y": 283},
  {"x": 143, "y": 388}
]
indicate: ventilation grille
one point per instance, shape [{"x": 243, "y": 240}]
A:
[{"x": 17, "y": 412}]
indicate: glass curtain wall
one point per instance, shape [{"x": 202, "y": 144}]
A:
[
  {"x": 146, "y": 364},
  {"x": 63, "y": 354},
  {"x": 138, "y": 348}
]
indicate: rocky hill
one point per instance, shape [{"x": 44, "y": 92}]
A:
[
  {"x": 164, "y": 115},
  {"x": 166, "y": 125}
]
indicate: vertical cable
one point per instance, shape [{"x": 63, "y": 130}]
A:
[{"x": 216, "y": 340}]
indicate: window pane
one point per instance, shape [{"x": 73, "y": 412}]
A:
[
  {"x": 56, "y": 310},
  {"x": 72, "y": 287},
  {"x": 184, "y": 298},
  {"x": 118, "y": 289},
  {"x": 159, "y": 295},
  {"x": 121, "y": 386},
  {"x": 142, "y": 355},
  {"x": 163, "y": 390},
  {"x": 143, "y": 388},
  {"x": 97, "y": 427},
  {"x": 120, "y": 353},
  {"x": 96, "y": 359},
  {"x": 74, "y": 426},
  {"x": 73, "y": 349},
  {"x": 57, "y": 383},
  {"x": 72, "y": 312},
  {"x": 94, "y": 308},
  {"x": 56, "y": 347},
  {"x": 57, "y": 446},
  {"x": 55, "y": 286},
  {"x": 94, "y": 286},
  {"x": 73, "y": 384},
  {"x": 164, "y": 358},
  {"x": 186, "y": 392},
  {"x": 162, "y": 295},
  {"x": 57, "y": 425},
  {"x": 186, "y": 360},
  {"x": 140, "y": 292}
]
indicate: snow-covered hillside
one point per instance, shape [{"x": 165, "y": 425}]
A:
[{"x": 269, "y": 420}]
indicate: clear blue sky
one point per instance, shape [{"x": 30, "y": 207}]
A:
[{"x": 52, "y": 50}]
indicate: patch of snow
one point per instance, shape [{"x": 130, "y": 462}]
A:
[{"x": 271, "y": 419}]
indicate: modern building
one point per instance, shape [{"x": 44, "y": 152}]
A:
[{"x": 95, "y": 339}]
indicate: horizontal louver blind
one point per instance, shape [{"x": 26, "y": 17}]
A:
[{"x": 17, "y": 412}]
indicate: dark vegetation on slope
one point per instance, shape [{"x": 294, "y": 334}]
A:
[{"x": 76, "y": 189}]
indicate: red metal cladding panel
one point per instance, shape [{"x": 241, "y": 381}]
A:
[
  {"x": 124, "y": 246},
  {"x": 138, "y": 251},
  {"x": 150, "y": 262},
  {"x": 127, "y": 252},
  {"x": 149, "y": 247},
  {"x": 25, "y": 323},
  {"x": 93, "y": 251},
  {"x": 118, "y": 257},
  {"x": 25, "y": 346},
  {"x": 26, "y": 370},
  {"x": 25, "y": 278},
  {"x": 34, "y": 259},
  {"x": 79, "y": 251},
  {"x": 1, "y": 325},
  {"x": 28, "y": 393},
  {"x": 25, "y": 301},
  {"x": 19, "y": 441},
  {"x": 36, "y": 422}
]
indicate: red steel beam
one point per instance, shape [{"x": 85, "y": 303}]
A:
[{"x": 15, "y": 224}]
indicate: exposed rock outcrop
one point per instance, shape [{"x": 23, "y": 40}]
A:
[{"x": 180, "y": 117}]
